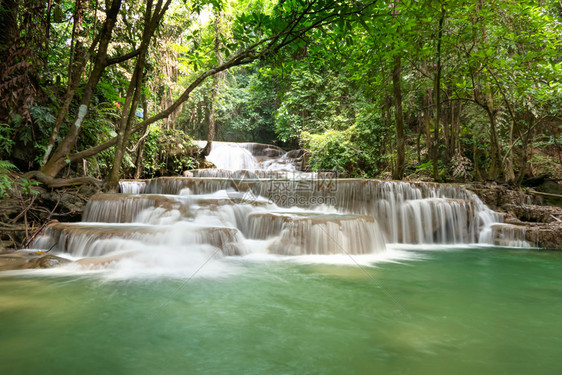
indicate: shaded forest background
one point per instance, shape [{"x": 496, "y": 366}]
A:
[{"x": 442, "y": 90}]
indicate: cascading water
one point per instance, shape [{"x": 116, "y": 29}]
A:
[
  {"x": 239, "y": 212},
  {"x": 233, "y": 156}
]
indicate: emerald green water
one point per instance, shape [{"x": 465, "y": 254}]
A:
[{"x": 470, "y": 311}]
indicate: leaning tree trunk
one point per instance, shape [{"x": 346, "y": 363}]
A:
[
  {"x": 58, "y": 159},
  {"x": 129, "y": 112},
  {"x": 140, "y": 146},
  {"x": 152, "y": 20},
  {"x": 495, "y": 154},
  {"x": 76, "y": 66}
]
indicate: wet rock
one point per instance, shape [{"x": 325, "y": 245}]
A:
[
  {"x": 541, "y": 224},
  {"x": 548, "y": 236},
  {"x": 497, "y": 196},
  {"x": 21, "y": 260},
  {"x": 82, "y": 239},
  {"x": 316, "y": 233},
  {"x": 47, "y": 261},
  {"x": 205, "y": 164},
  {"x": 295, "y": 154},
  {"x": 124, "y": 208},
  {"x": 271, "y": 152},
  {"x": 509, "y": 235},
  {"x": 534, "y": 213},
  {"x": 553, "y": 192}
]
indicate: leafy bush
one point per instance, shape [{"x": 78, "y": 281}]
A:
[
  {"x": 330, "y": 150},
  {"x": 9, "y": 181},
  {"x": 344, "y": 151},
  {"x": 167, "y": 152},
  {"x": 6, "y": 141}
]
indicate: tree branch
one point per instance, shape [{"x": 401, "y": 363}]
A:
[
  {"x": 120, "y": 59},
  {"x": 250, "y": 54}
]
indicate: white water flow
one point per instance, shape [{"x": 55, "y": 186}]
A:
[
  {"x": 218, "y": 213},
  {"x": 233, "y": 156}
]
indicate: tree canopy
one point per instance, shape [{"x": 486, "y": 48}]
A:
[{"x": 440, "y": 89}]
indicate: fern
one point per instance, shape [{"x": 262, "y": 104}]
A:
[
  {"x": 6, "y": 141},
  {"x": 6, "y": 180}
]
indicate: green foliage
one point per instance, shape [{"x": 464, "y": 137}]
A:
[
  {"x": 426, "y": 169},
  {"x": 546, "y": 164},
  {"x": 245, "y": 107},
  {"x": 345, "y": 151},
  {"x": 26, "y": 186},
  {"x": 44, "y": 120},
  {"x": 330, "y": 150},
  {"x": 9, "y": 181},
  {"x": 6, "y": 181},
  {"x": 330, "y": 89},
  {"x": 314, "y": 101},
  {"x": 167, "y": 152},
  {"x": 6, "y": 141}
]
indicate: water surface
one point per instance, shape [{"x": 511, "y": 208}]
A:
[{"x": 457, "y": 311}]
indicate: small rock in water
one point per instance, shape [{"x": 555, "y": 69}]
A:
[
  {"x": 21, "y": 260},
  {"x": 47, "y": 261}
]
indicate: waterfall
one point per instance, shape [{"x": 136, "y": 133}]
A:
[
  {"x": 411, "y": 213},
  {"x": 227, "y": 212},
  {"x": 233, "y": 156}
]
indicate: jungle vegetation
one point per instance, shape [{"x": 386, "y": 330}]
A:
[{"x": 445, "y": 90}]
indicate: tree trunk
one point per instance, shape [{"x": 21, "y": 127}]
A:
[
  {"x": 140, "y": 150},
  {"x": 78, "y": 60},
  {"x": 418, "y": 140},
  {"x": 495, "y": 154},
  {"x": 216, "y": 82},
  {"x": 398, "y": 171},
  {"x": 132, "y": 99},
  {"x": 59, "y": 158},
  {"x": 8, "y": 20},
  {"x": 495, "y": 169},
  {"x": 427, "y": 124},
  {"x": 387, "y": 144},
  {"x": 524, "y": 152},
  {"x": 475, "y": 156},
  {"x": 438, "y": 99},
  {"x": 127, "y": 119}
]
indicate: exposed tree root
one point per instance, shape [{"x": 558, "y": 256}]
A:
[{"x": 62, "y": 182}]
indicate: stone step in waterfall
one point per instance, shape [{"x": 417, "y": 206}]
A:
[
  {"x": 300, "y": 233},
  {"x": 145, "y": 208},
  {"x": 97, "y": 239},
  {"x": 410, "y": 213}
]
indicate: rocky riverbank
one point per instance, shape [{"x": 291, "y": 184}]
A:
[{"x": 526, "y": 211}]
